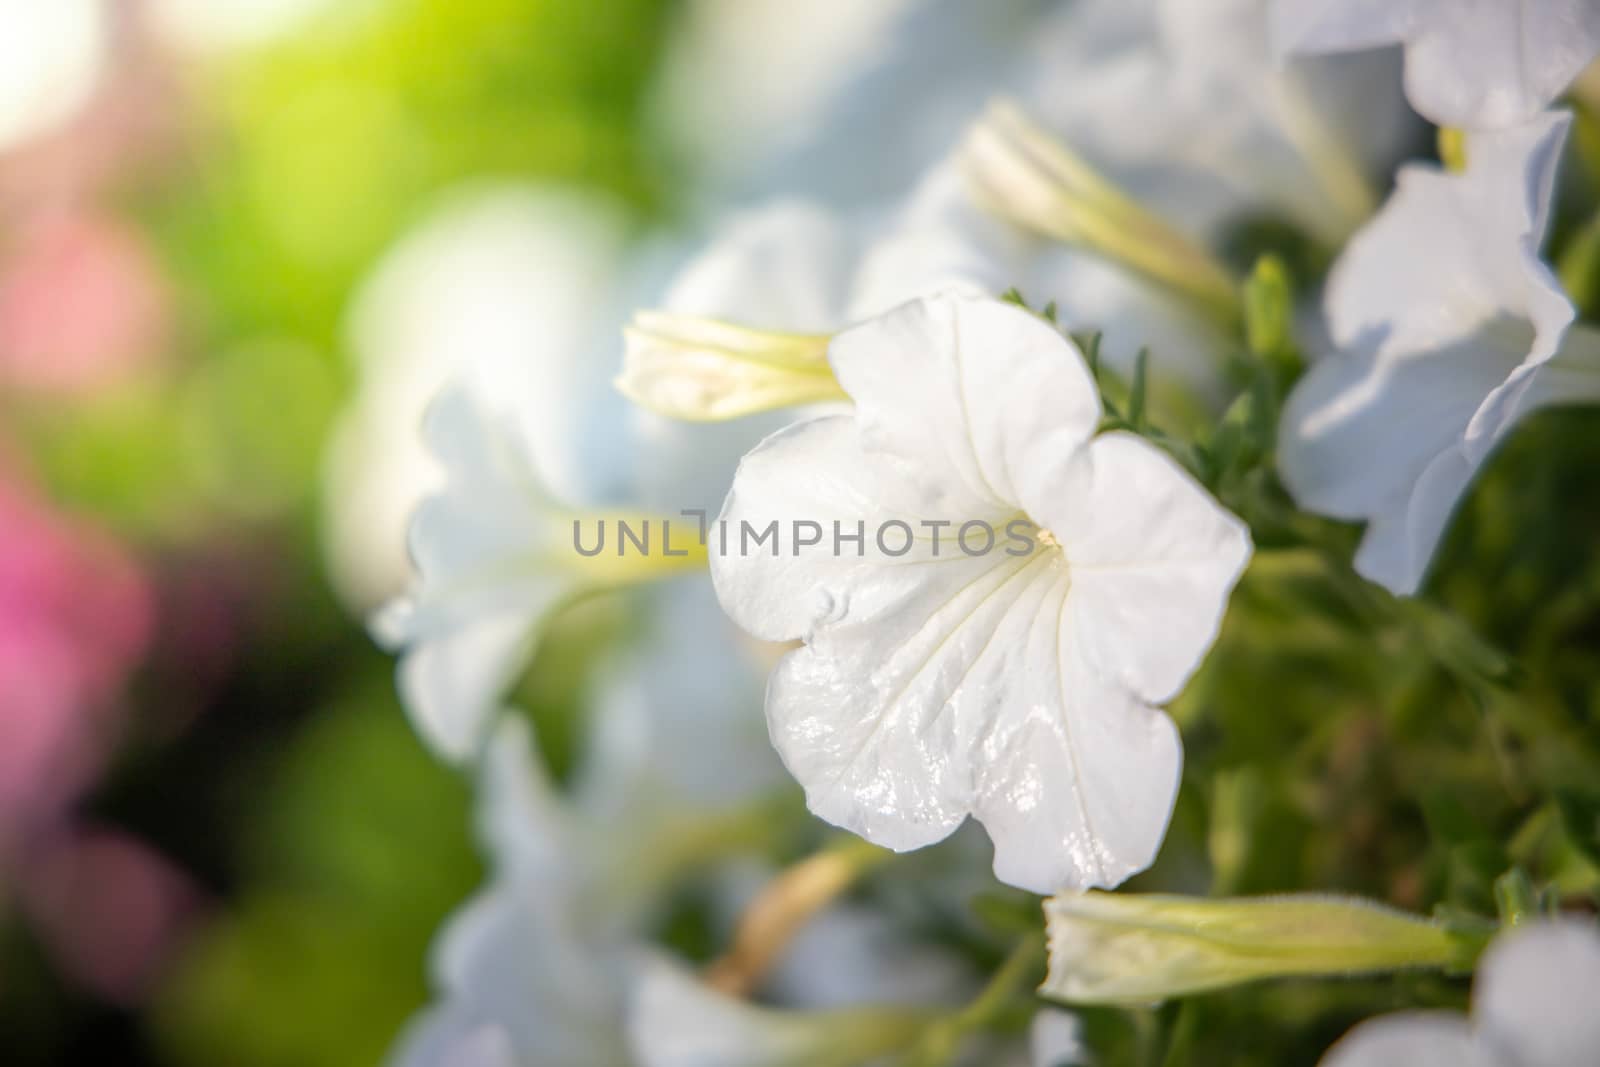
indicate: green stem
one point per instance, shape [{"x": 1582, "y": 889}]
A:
[{"x": 941, "y": 1041}]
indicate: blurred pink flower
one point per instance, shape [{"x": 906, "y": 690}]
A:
[
  {"x": 75, "y": 617},
  {"x": 109, "y": 909},
  {"x": 83, "y": 305}
]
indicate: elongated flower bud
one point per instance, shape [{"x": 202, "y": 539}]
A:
[
  {"x": 1115, "y": 949},
  {"x": 705, "y": 370},
  {"x": 1024, "y": 173}
]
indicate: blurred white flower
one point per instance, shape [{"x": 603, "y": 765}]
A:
[
  {"x": 1449, "y": 328},
  {"x": 1015, "y": 684},
  {"x": 674, "y": 759},
  {"x": 500, "y": 286},
  {"x": 1468, "y": 63},
  {"x": 764, "y": 95},
  {"x": 676, "y": 773},
  {"x": 51, "y": 56},
  {"x": 1532, "y": 1006},
  {"x": 497, "y": 558},
  {"x": 1183, "y": 104},
  {"x": 1020, "y": 172},
  {"x": 676, "y": 1020},
  {"x": 941, "y": 239},
  {"x": 530, "y": 958},
  {"x": 533, "y": 439},
  {"x": 486, "y": 1047},
  {"x": 849, "y": 267},
  {"x": 1056, "y": 1040}
]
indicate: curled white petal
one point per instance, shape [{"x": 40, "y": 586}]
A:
[
  {"x": 486, "y": 552},
  {"x": 1444, "y": 316},
  {"x": 1469, "y": 63}
]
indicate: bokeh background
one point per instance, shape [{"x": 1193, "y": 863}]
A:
[
  {"x": 243, "y": 241},
  {"x": 220, "y": 843}
]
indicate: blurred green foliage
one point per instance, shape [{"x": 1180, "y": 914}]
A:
[{"x": 354, "y": 851}]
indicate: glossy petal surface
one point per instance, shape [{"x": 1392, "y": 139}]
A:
[{"x": 938, "y": 680}]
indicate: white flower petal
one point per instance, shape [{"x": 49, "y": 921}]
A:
[
  {"x": 851, "y": 955},
  {"x": 1055, "y": 1039},
  {"x": 514, "y": 958},
  {"x": 676, "y": 719},
  {"x": 1358, "y": 432},
  {"x": 521, "y": 818},
  {"x": 1469, "y": 63},
  {"x": 533, "y": 953},
  {"x": 934, "y": 685},
  {"x": 1443, "y": 312},
  {"x": 487, "y": 1046},
  {"x": 1077, "y": 782},
  {"x": 1535, "y": 994},
  {"x": 1450, "y": 253},
  {"x": 1186, "y": 107},
  {"x": 940, "y": 240},
  {"x": 784, "y": 266},
  {"x": 1488, "y": 63},
  {"x": 1409, "y": 1040},
  {"x": 1152, "y": 561},
  {"x": 451, "y": 683},
  {"x": 508, "y": 285},
  {"x": 675, "y": 1020},
  {"x": 813, "y": 471},
  {"x": 973, "y": 386},
  {"x": 487, "y": 572},
  {"x": 1339, "y": 25},
  {"x": 1395, "y": 551},
  {"x": 438, "y": 1037}
]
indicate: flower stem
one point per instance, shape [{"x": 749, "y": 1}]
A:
[
  {"x": 784, "y": 906},
  {"x": 942, "y": 1040}
]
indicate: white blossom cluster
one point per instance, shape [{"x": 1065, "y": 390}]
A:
[{"x": 839, "y": 352}]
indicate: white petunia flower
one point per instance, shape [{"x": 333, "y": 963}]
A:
[
  {"x": 675, "y": 767},
  {"x": 542, "y": 442},
  {"x": 1532, "y": 1006},
  {"x": 1016, "y": 683},
  {"x": 496, "y": 558},
  {"x": 674, "y": 779},
  {"x": 495, "y": 287},
  {"x": 1449, "y": 329},
  {"x": 527, "y": 958},
  {"x": 1469, "y": 63}
]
